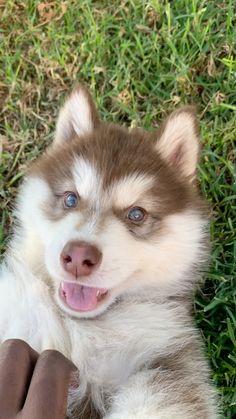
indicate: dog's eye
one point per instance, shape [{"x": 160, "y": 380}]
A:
[
  {"x": 136, "y": 215},
  {"x": 70, "y": 199}
]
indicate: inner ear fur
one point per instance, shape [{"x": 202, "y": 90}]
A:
[
  {"x": 78, "y": 116},
  {"x": 179, "y": 142}
]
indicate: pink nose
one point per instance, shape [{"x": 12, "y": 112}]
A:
[{"x": 80, "y": 258}]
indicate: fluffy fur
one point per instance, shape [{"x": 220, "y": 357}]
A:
[{"x": 138, "y": 353}]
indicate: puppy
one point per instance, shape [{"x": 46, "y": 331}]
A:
[{"x": 109, "y": 243}]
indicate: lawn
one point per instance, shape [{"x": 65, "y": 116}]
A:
[{"x": 141, "y": 60}]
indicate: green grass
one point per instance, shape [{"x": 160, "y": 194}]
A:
[{"x": 141, "y": 60}]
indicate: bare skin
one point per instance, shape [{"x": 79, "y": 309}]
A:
[{"x": 33, "y": 386}]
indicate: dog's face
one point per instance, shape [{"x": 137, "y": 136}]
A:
[{"x": 108, "y": 212}]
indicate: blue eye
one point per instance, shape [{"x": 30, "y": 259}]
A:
[
  {"x": 136, "y": 214},
  {"x": 70, "y": 200}
]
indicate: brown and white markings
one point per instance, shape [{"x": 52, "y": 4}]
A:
[{"x": 109, "y": 246}]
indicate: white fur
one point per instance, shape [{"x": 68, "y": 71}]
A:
[
  {"x": 180, "y": 131},
  {"x": 136, "y": 324},
  {"x": 127, "y": 263},
  {"x": 86, "y": 178},
  {"x": 27, "y": 309},
  {"x": 128, "y": 190},
  {"x": 75, "y": 117},
  {"x": 109, "y": 350}
]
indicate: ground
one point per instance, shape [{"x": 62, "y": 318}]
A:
[{"x": 141, "y": 59}]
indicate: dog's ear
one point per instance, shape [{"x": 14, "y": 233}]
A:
[
  {"x": 78, "y": 115},
  {"x": 178, "y": 141}
]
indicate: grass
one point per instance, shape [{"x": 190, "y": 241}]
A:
[{"x": 141, "y": 60}]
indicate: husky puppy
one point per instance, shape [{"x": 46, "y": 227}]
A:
[{"x": 107, "y": 250}]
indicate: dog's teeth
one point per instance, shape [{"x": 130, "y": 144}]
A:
[{"x": 98, "y": 294}]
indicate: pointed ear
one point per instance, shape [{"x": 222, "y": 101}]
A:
[
  {"x": 78, "y": 115},
  {"x": 179, "y": 143}
]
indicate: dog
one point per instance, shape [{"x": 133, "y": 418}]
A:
[{"x": 110, "y": 240}]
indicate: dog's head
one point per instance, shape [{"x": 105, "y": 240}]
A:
[{"x": 107, "y": 211}]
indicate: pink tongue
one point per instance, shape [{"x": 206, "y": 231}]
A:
[{"x": 81, "y": 298}]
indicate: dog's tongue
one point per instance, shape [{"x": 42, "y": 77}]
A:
[{"x": 79, "y": 297}]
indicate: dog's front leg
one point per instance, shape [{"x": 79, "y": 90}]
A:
[{"x": 159, "y": 394}]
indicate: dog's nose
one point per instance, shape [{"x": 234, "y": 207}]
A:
[{"x": 80, "y": 258}]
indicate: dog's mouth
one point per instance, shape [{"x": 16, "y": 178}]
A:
[{"x": 80, "y": 297}]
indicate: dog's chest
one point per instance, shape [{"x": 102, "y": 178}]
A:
[
  {"x": 103, "y": 356},
  {"x": 109, "y": 350}
]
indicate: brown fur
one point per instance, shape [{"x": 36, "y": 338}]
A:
[
  {"x": 176, "y": 370},
  {"x": 117, "y": 153}
]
